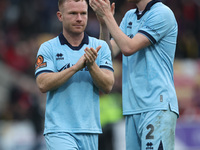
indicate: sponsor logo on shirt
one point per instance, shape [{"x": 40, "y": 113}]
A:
[
  {"x": 64, "y": 67},
  {"x": 68, "y": 65}
]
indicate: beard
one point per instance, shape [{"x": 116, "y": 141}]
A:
[{"x": 73, "y": 30}]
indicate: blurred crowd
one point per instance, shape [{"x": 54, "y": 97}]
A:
[{"x": 25, "y": 24}]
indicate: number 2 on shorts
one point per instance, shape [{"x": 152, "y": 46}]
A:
[{"x": 149, "y": 134}]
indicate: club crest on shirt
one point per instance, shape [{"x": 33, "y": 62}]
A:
[{"x": 40, "y": 62}]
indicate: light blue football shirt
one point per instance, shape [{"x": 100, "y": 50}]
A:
[
  {"x": 148, "y": 74},
  {"x": 74, "y": 106}
]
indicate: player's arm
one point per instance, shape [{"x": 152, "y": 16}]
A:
[
  {"x": 105, "y": 34},
  {"x": 127, "y": 45},
  {"x": 51, "y": 81},
  {"x": 102, "y": 78}
]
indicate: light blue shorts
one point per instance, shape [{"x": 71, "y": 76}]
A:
[
  {"x": 154, "y": 130},
  {"x": 71, "y": 141}
]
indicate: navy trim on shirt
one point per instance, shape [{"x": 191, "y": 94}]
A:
[
  {"x": 64, "y": 41},
  {"x": 148, "y": 7},
  {"x": 106, "y": 67},
  {"x": 43, "y": 71},
  {"x": 148, "y": 35}
]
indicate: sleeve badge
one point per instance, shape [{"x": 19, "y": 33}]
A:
[{"x": 40, "y": 62}]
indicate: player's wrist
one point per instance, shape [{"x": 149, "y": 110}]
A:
[
  {"x": 106, "y": 16},
  {"x": 74, "y": 68},
  {"x": 91, "y": 66}
]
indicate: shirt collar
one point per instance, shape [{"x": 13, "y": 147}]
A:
[
  {"x": 64, "y": 41},
  {"x": 148, "y": 7}
]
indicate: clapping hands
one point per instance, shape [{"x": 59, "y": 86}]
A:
[{"x": 91, "y": 55}]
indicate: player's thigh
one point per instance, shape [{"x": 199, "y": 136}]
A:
[
  {"x": 159, "y": 130},
  {"x": 132, "y": 138},
  {"x": 60, "y": 141}
]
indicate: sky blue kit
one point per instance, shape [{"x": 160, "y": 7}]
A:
[
  {"x": 74, "y": 106},
  {"x": 148, "y": 74},
  {"x": 149, "y": 97}
]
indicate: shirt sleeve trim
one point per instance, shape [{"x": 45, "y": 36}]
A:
[
  {"x": 151, "y": 38},
  {"x": 43, "y": 71},
  {"x": 106, "y": 67}
]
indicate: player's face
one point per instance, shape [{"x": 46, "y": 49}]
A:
[{"x": 74, "y": 16}]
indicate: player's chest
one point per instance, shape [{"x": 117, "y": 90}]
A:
[
  {"x": 66, "y": 58},
  {"x": 133, "y": 25}
]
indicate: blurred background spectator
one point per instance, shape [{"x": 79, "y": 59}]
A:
[{"x": 25, "y": 24}]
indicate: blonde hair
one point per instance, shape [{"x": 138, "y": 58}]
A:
[{"x": 61, "y": 2}]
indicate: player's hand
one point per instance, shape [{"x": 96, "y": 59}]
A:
[
  {"x": 81, "y": 63},
  {"x": 91, "y": 55},
  {"x": 102, "y": 7},
  {"x": 100, "y": 18}
]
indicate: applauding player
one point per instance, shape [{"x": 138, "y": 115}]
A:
[
  {"x": 147, "y": 39},
  {"x": 71, "y": 68}
]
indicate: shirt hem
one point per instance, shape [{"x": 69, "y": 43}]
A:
[
  {"x": 71, "y": 131},
  {"x": 130, "y": 112}
]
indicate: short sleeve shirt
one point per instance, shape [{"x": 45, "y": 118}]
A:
[
  {"x": 148, "y": 74},
  {"x": 74, "y": 106}
]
